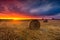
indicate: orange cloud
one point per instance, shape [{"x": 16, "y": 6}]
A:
[{"x": 15, "y": 16}]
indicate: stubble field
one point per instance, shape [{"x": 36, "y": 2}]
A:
[{"x": 19, "y": 30}]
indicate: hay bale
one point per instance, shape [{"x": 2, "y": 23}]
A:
[
  {"x": 45, "y": 20},
  {"x": 34, "y": 24},
  {"x": 53, "y": 18}
]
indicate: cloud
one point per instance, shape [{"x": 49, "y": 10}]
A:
[
  {"x": 41, "y": 9},
  {"x": 31, "y": 7}
]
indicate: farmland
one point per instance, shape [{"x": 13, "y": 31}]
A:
[{"x": 19, "y": 30}]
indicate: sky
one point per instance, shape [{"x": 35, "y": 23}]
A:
[{"x": 30, "y": 8}]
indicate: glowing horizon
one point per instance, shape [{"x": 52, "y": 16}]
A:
[{"x": 16, "y": 16}]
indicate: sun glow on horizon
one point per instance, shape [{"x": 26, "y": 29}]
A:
[
  {"x": 19, "y": 18},
  {"x": 16, "y": 16}
]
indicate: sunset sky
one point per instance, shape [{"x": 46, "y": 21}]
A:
[{"x": 29, "y": 8}]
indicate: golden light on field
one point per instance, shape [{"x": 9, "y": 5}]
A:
[{"x": 15, "y": 22}]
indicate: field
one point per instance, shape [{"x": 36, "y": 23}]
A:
[{"x": 19, "y": 30}]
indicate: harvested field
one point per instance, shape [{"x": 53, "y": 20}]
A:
[{"x": 19, "y": 30}]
